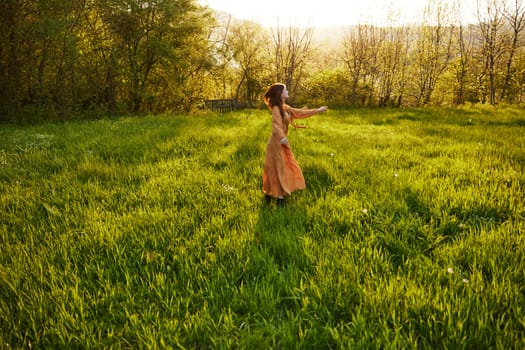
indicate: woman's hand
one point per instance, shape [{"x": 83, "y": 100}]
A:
[
  {"x": 299, "y": 126},
  {"x": 322, "y": 109},
  {"x": 284, "y": 142}
]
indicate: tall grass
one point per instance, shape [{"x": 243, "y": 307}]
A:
[{"x": 152, "y": 233}]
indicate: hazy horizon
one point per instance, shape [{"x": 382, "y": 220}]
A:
[{"x": 330, "y": 13}]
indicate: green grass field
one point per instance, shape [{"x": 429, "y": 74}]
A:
[{"x": 152, "y": 232}]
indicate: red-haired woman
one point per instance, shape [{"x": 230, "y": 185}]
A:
[{"x": 282, "y": 174}]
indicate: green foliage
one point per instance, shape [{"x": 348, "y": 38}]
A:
[
  {"x": 327, "y": 87},
  {"x": 60, "y": 60},
  {"x": 152, "y": 233},
  {"x": 59, "y": 57}
]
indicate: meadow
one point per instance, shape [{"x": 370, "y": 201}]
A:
[{"x": 152, "y": 232}]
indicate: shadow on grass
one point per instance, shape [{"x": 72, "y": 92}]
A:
[
  {"x": 318, "y": 180},
  {"x": 447, "y": 117},
  {"x": 279, "y": 232}
]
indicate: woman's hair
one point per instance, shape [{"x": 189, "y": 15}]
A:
[{"x": 273, "y": 98}]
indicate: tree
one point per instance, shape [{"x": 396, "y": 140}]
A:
[
  {"x": 360, "y": 56},
  {"x": 153, "y": 38},
  {"x": 221, "y": 75},
  {"x": 433, "y": 50},
  {"x": 12, "y": 14},
  {"x": 247, "y": 41},
  {"x": 291, "y": 49},
  {"x": 494, "y": 43},
  {"x": 463, "y": 62},
  {"x": 38, "y": 54},
  {"x": 392, "y": 64},
  {"x": 514, "y": 14}
]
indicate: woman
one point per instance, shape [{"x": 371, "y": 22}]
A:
[{"x": 282, "y": 174}]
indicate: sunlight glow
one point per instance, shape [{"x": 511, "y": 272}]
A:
[{"x": 329, "y": 13}]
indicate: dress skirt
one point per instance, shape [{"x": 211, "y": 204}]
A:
[{"x": 282, "y": 174}]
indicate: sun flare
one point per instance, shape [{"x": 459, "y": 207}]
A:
[{"x": 334, "y": 12}]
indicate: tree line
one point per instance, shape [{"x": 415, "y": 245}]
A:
[{"x": 61, "y": 58}]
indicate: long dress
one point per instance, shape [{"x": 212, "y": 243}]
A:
[{"x": 282, "y": 174}]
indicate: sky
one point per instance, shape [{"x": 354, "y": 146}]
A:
[{"x": 326, "y": 13}]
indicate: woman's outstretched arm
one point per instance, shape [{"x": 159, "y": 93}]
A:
[{"x": 298, "y": 113}]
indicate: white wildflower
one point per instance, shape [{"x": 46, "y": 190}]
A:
[
  {"x": 228, "y": 188},
  {"x": 450, "y": 270}
]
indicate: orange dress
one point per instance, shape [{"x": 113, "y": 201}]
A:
[{"x": 282, "y": 174}]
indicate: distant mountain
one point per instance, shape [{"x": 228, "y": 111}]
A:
[
  {"x": 331, "y": 36},
  {"x": 324, "y": 36}
]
